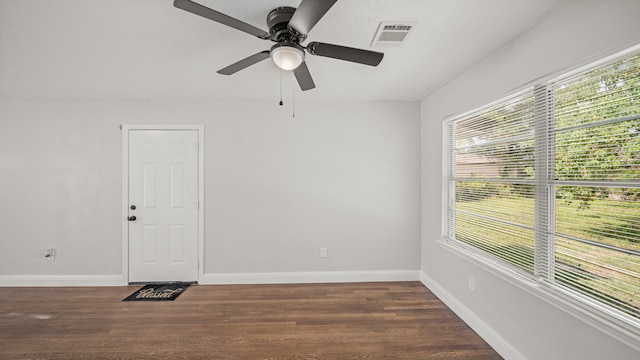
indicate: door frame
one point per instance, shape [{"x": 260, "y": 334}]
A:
[{"x": 125, "y": 191}]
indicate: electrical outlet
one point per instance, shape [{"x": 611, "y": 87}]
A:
[
  {"x": 50, "y": 254},
  {"x": 323, "y": 252},
  {"x": 472, "y": 283}
]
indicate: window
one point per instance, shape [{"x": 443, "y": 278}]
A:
[{"x": 547, "y": 182}]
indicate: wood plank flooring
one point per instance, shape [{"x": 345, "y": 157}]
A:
[{"x": 397, "y": 320}]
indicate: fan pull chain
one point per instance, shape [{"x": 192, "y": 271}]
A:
[
  {"x": 293, "y": 98},
  {"x": 281, "y": 103}
]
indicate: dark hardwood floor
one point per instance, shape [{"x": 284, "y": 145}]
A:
[{"x": 397, "y": 320}]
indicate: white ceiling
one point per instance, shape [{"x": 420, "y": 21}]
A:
[{"x": 148, "y": 49}]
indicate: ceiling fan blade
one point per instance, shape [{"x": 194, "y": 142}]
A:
[
  {"x": 308, "y": 14},
  {"x": 345, "y": 53},
  {"x": 244, "y": 63},
  {"x": 304, "y": 77},
  {"x": 211, "y": 14}
]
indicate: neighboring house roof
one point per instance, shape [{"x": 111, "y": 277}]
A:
[{"x": 468, "y": 159}]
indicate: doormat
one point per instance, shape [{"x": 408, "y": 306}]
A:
[{"x": 158, "y": 292}]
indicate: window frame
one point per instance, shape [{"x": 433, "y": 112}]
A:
[{"x": 608, "y": 319}]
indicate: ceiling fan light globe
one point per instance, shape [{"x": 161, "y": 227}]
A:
[{"x": 287, "y": 57}]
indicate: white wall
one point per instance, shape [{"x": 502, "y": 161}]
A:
[
  {"x": 528, "y": 326},
  {"x": 345, "y": 176}
]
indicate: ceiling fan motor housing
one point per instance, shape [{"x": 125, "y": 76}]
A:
[{"x": 278, "y": 21}]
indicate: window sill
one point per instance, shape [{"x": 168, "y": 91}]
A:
[{"x": 615, "y": 324}]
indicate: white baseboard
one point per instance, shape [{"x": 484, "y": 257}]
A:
[
  {"x": 60, "y": 280},
  {"x": 310, "y": 277},
  {"x": 215, "y": 279},
  {"x": 471, "y": 319}
]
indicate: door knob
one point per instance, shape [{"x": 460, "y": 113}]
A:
[{"x": 132, "y": 218}]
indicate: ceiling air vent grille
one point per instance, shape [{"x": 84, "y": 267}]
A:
[{"x": 392, "y": 33}]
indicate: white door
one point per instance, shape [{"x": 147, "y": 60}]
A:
[{"x": 163, "y": 205}]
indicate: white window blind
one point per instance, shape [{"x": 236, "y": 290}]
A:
[
  {"x": 548, "y": 181},
  {"x": 493, "y": 180},
  {"x": 596, "y": 166}
]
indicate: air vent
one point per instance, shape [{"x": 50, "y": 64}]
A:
[{"x": 392, "y": 34}]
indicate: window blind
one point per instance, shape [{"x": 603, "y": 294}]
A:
[
  {"x": 493, "y": 180},
  {"x": 597, "y": 183},
  {"x": 548, "y": 181}
]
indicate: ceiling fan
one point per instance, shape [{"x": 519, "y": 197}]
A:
[{"x": 288, "y": 28}]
